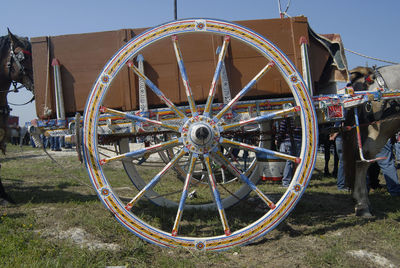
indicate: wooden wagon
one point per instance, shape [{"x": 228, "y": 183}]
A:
[{"x": 187, "y": 110}]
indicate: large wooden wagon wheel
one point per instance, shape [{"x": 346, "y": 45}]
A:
[{"x": 199, "y": 140}]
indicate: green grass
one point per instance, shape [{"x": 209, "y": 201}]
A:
[{"x": 52, "y": 201}]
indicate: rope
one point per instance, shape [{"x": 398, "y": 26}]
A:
[
  {"x": 368, "y": 57},
  {"x": 230, "y": 192},
  {"x": 282, "y": 13},
  {"x": 47, "y": 77},
  {"x": 287, "y": 7},
  {"x": 63, "y": 168}
]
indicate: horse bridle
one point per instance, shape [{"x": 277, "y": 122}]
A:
[
  {"x": 18, "y": 58},
  {"x": 388, "y": 107},
  {"x": 379, "y": 78}
]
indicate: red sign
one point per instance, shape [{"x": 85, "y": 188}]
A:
[{"x": 335, "y": 111}]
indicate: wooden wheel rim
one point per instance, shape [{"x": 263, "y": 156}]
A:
[{"x": 308, "y": 149}]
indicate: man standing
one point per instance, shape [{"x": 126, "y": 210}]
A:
[{"x": 288, "y": 140}]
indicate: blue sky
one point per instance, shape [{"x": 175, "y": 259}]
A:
[{"x": 366, "y": 26}]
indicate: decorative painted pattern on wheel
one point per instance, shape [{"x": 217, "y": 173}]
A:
[{"x": 244, "y": 235}]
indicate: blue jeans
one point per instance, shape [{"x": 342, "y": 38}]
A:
[
  {"x": 286, "y": 147},
  {"x": 397, "y": 150},
  {"x": 45, "y": 141},
  {"x": 388, "y": 169},
  {"x": 340, "y": 175},
  {"x": 55, "y": 143}
]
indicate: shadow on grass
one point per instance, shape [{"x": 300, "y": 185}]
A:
[
  {"x": 46, "y": 194},
  {"x": 322, "y": 213},
  {"x": 15, "y": 215},
  {"x": 317, "y": 213},
  {"x": 318, "y": 174},
  {"x": 322, "y": 184},
  {"x": 20, "y": 157}
]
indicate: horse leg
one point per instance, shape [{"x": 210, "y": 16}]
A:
[{"x": 360, "y": 191}]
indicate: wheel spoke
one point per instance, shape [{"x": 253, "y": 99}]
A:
[
  {"x": 260, "y": 150},
  {"x": 138, "y": 118},
  {"x": 144, "y": 151},
  {"x": 220, "y": 158},
  {"x": 156, "y": 90},
  {"x": 156, "y": 178},
  {"x": 185, "y": 79},
  {"x": 217, "y": 72},
  {"x": 244, "y": 90},
  {"x": 217, "y": 198},
  {"x": 261, "y": 118},
  {"x": 184, "y": 195}
]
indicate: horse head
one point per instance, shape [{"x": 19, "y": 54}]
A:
[
  {"x": 19, "y": 61},
  {"x": 15, "y": 67},
  {"x": 361, "y": 78}
]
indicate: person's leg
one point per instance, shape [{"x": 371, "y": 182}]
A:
[
  {"x": 288, "y": 170},
  {"x": 52, "y": 143},
  {"x": 397, "y": 150},
  {"x": 335, "y": 160},
  {"x": 388, "y": 169},
  {"x": 62, "y": 141},
  {"x": 57, "y": 144},
  {"x": 327, "y": 156},
  {"x": 340, "y": 175},
  {"x": 397, "y": 154}
]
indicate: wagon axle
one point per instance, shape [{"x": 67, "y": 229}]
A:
[{"x": 200, "y": 134}]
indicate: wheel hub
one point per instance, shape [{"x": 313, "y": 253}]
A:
[{"x": 200, "y": 134}]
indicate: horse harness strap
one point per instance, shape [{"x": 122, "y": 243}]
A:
[
  {"x": 18, "y": 59},
  {"x": 25, "y": 103},
  {"x": 375, "y": 76}
]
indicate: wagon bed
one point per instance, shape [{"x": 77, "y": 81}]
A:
[{"x": 82, "y": 56}]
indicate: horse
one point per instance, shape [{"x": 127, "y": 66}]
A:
[
  {"x": 379, "y": 121},
  {"x": 15, "y": 67}
]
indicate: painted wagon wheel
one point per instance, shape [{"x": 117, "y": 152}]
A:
[{"x": 199, "y": 139}]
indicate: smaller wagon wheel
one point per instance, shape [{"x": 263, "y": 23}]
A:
[
  {"x": 233, "y": 193},
  {"x": 199, "y": 139}
]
